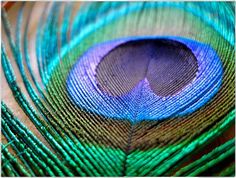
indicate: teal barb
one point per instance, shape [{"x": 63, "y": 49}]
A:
[{"x": 118, "y": 89}]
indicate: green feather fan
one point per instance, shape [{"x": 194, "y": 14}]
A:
[{"x": 118, "y": 89}]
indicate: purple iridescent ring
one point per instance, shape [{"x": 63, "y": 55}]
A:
[{"x": 145, "y": 78}]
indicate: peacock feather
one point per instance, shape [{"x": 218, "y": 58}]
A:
[{"x": 118, "y": 89}]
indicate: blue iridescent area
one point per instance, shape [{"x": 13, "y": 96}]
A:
[{"x": 141, "y": 102}]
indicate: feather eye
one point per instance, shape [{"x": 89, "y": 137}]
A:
[
  {"x": 118, "y": 89},
  {"x": 161, "y": 73}
]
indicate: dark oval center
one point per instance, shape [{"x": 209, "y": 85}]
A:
[{"x": 168, "y": 65}]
